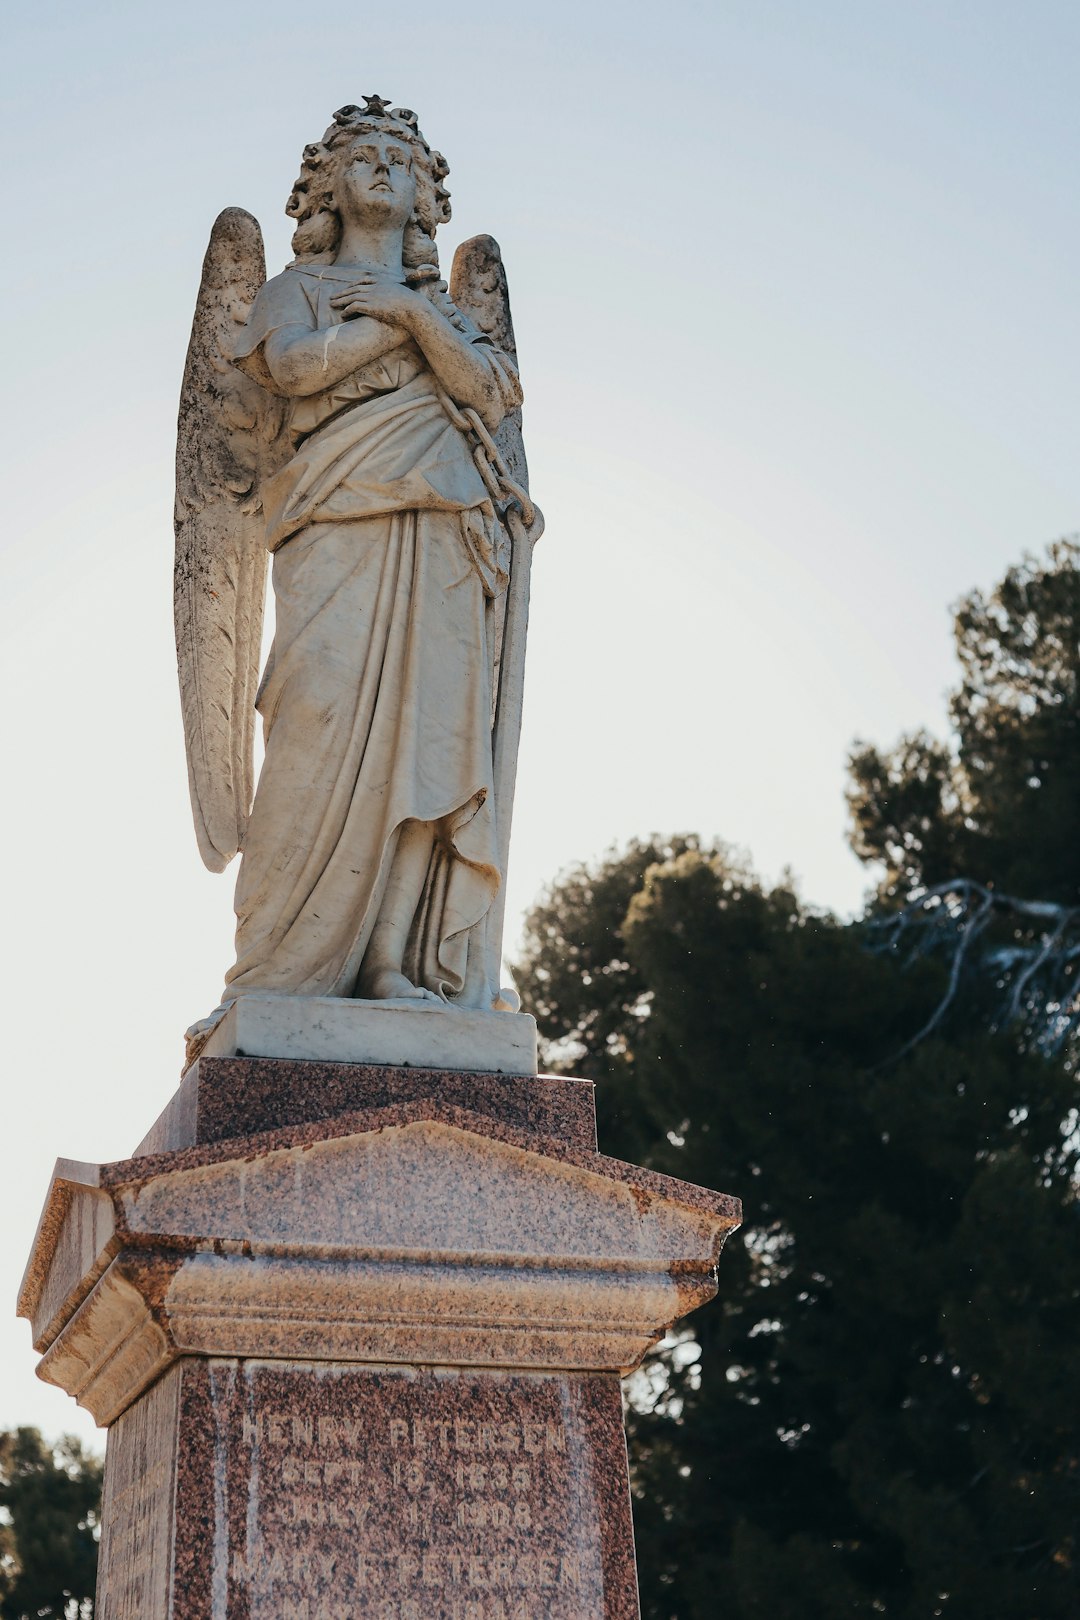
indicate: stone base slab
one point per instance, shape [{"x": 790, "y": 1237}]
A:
[
  {"x": 422, "y": 1034},
  {"x": 254, "y": 1490}
]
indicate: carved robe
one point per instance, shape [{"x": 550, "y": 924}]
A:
[{"x": 377, "y": 697}]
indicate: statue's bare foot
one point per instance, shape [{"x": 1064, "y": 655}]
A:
[{"x": 386, "y": 984}]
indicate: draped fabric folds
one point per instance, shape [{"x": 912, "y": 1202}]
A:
[{"x": 377, "y": 699}]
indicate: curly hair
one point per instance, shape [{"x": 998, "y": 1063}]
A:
[{"x": 311, "y": 202}]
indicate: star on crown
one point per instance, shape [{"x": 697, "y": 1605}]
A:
[{"x": 375, "y": 106}]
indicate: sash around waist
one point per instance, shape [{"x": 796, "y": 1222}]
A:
[{"x": 396, "y": 452}]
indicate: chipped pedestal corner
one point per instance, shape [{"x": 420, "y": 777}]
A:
[{"x": 368, "y": 1362}]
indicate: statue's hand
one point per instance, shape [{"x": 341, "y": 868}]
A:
[{"x": 380, "y": 297}]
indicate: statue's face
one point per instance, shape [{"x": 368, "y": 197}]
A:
[{"x": 376, "y": 183}]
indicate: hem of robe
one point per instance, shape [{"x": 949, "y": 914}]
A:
[{"x": 330, "y": 486}]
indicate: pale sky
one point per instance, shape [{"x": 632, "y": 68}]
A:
[{"x": 795, "y": 296}]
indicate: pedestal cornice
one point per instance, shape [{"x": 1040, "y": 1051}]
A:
[{"x": 417, "y": 1234}]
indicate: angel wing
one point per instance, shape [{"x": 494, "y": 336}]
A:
[
  {"x": 227, "y": 429},
  {"x": 479, "y": 289}
]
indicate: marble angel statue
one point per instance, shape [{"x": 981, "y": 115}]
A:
[{"x": 358, "y": 420}]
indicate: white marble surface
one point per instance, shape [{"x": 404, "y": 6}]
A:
[
  {"x": 426, "y": 1034},
  {"x": 363, "y": 426}
]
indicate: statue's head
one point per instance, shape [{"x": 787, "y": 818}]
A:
[{"x": 355, "y": 138}]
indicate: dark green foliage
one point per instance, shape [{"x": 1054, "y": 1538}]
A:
[
  {"x": 882, "y": 1412},
  {"x": 582, "y": 989},
  {"x": 51, "y": 1498},
  {"x": 881, "y": 1415},
  {"x": 1001, "y": 802}
]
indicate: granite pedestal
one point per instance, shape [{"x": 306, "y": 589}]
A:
[{"x": 357, "y": 1333}]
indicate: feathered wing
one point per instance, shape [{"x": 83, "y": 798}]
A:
[
  {"x": 226, "y": 434},
  {"x": 479, "y": 289}
]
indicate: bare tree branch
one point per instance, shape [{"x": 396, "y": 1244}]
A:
[{"x": 1027, "y": 960}]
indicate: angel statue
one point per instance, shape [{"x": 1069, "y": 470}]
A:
[{"x": 358, "y": 419}]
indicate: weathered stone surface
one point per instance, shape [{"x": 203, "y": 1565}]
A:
[
  {"x": 138, "y": 1530},
  {"x": 425, "y": 1034},
  {"x": 413, "y": 1233},
  {"x": 76, "y": 1239},
  {"x": 365, "y": 1363},
  {"x": 313, "y": 1491},
  {"x": 357, "y": 1307},
  {"x": 348, "y": 430},
  {"x": 224, "y": 1097}
]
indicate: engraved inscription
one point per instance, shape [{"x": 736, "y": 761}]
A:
[{"x": 406, "y": 1495}]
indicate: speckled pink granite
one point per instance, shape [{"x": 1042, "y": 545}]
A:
[
  {"x": 330, "y": 1491},
  {"x": 357, "y": 1335},
  {"x": 648, "y": 1183},
  {"x": 220, "y": 1098}
]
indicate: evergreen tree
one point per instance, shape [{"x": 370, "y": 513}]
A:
[
  {"x": 1000, "y": 802},
  {"x": 49, "y": 1505},
  {"x": 879, "y": 1416}
]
